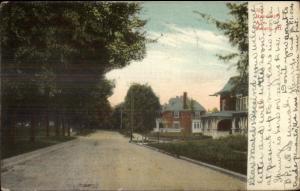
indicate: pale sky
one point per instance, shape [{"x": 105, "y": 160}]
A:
[{"x": 183, "y": 58}]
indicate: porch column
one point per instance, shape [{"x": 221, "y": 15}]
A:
[
  {"x": 157, "y": 125},
  {"x": 233, "y": 128},
  {"x": 201, "y": 130}
]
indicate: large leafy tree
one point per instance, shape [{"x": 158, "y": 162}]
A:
[
  {"x": 54, "y": 56},
  {"x": 117, "y": 117},
  {"x": 236, "y": 29},
  {"x": 141, "y": 107}
]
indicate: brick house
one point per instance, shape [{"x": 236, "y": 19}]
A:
[
  {"x": 180, "y": 114},
  {"x": 233, "y": 115}
]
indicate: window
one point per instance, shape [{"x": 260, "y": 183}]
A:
[
  {"x": 223, "y": 104},
  {"x": 176, "y": 125},
  {"x": 197, "y": 113},
  {"x": 237, "y": 106},
  {"x": 242, "y": 103},
  {"x": 196, "y": 124},
  {"x": 176, "y": 114},
  {"x": 246, "y": 103}
]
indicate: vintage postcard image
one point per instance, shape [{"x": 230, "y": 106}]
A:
[{"x": 149, "y": 95}]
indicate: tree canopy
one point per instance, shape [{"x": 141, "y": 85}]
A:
[
  {"x": 236, "y": 29},
  {"x": 55, "y": 55},
  {"x": 143, "y": 106}
]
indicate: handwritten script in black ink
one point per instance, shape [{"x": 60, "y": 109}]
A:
[{"x": 274, "y": 84}]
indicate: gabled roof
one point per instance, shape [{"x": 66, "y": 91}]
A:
[
  {"x": 176, "y": 104},
  {"x": 229, "y": 86}
]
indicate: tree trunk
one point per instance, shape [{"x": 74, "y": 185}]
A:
[
  {"x": 32, "y": 127},
  {"x": 69, "y": 130},
  {"x": 57, "y": 125},
  {"x": 63, "y": 125},
  {"x": 12, "y": 129},
  {"x": 47, "y": 123}
]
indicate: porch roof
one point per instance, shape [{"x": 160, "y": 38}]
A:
[
  {"x": 225, "y": 114},
  {"x": 219, "y": 114}
]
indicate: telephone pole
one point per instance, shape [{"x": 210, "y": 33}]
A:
[
  {"x": 121, "y": 120},
  {"x": 131, "y": 115}
]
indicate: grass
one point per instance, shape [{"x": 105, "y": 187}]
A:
[
  {"x": 125, "y": 132},
  {"x": 85, "y": 132},
  {"x": 229, "y": 152},
  {"x": 23, "y": 145}
]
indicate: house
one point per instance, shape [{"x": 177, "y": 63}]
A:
[
  {"x": 180, "y": 114},
  {"x": 233, "y": 115}
]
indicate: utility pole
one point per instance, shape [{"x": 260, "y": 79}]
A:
[
  {"x": 121, "y": 124},
  {"x": 131, "y": 115}
]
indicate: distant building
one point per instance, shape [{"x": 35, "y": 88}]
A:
[
  {"x": 184, "y": 114},
  {"x": 233, "y": 115},
  {"x": 180, "y": 114}
]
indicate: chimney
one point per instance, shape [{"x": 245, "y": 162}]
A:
[{"x": 184, "y": 100}]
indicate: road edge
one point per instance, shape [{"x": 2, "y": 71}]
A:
[{"x": 10, "y": 162}]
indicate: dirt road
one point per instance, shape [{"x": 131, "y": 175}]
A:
[{"x": 106, "y": 161}]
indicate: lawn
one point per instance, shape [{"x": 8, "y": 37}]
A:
[
  {"x": 23, "y": 145},
  {"x": 229, "y": 152}
]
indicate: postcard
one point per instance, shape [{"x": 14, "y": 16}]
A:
[{"x": 150, "y": 95}]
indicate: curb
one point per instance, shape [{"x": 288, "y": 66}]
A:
[
  {"x": 10, "y": 162},
  {"x": 216, "y": 168}
]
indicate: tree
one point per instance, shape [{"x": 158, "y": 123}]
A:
[
  {"x": 143, "y": 106},
  {"x": 236, "y": 30},
  {"x": 55, "y": 55},
  {"x": 117, "y": 117},
  {"x": 214, "y": 110}
]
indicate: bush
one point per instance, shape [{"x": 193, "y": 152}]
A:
[
  {"x": 178, "y": 135},
  {"x": 219, "y": 152},
  {"x": 236, "y": 142}
]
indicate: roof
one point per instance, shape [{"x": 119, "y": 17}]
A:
[
  {"x": 229, "y": 86},
  {"x": 219, "y": 114},
  {"x": 176, "y": 104},
  {"x": 225, "y": 114}
]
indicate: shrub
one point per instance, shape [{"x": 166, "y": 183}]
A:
[{"x": 220, "y": 152}]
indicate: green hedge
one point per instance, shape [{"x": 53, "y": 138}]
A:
[
  {"x": 178, "y": 135},
  {"x": 220, "y": 152}
]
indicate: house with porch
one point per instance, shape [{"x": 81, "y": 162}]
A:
[
  {"x": 180, "y": 114},
  {"x": 233, "y": 115}
]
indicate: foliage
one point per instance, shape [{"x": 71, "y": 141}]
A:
[
  {"x": 213, "y": 110},
  {"x": 236, "y": 30},
  {"x": 177, "y": 136},
  {"x": 55, "y": 55},
  {"x": 142, "y": 103},
  {"x": 219, "y": 152},
  {"x": 236, "y": 142},
  {"x": 117, "y": 116},
  {"x": 22, "y": 145}
]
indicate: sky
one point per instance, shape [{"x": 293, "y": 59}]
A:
[{"x": 184, "y": 57}]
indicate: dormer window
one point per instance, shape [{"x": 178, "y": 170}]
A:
[{"x": 176, "y": 114}]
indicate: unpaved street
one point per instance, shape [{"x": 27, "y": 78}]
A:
[{"x": 106, "y": 161}]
